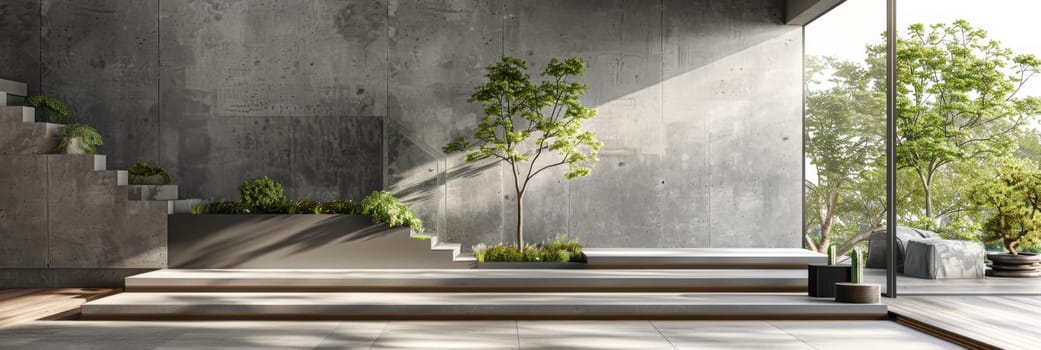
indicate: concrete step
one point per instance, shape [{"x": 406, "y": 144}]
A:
[
  {"x": 7, "y": 99},
  {"x": 14, "y": 87},
  {"x": 469, "y": 306},
  {"x": 455, "y": 248},
  {"x": 17, "y": 114},
  {"x": 468, "y": 280},
  {"x": 702, "y": 258},
  {"x": 153, "y": 192}
]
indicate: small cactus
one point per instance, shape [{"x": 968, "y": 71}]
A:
[
  {"x": 857, "y": 258},
  {"x": 832, "y": 252}
]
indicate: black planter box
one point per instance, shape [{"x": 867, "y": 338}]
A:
[{"x": 823, "y": 278}]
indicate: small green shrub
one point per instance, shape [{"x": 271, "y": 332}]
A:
[
  {"x": 502, "y": 253},
  {"x": 339, "y": 207},
  {"x": 54, "y": 110},
  {"x": 304, "y": 206},
  {"x": 198, "y": 209},
  {"x": 532, "y": 254},
  {"x": 559, "y": 249},
  {"x": 560, "y": 242},
  {"x": 225, "y": 207},
  {"x": 144, "y": 174},
  {"x": 263, "y": 195},
  {"x": 88, "y": 136},
  {"x": 384, "y": 208}
]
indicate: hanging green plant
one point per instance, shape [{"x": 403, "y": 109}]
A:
[
  {"x": 79, "y": 138},
  {"x": 144, "y": 174},
  {"x": 54, "y": 110}
]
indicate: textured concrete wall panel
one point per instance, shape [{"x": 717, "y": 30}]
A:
[
  {"x": 276, "y": 88},
  {"x": 438, "y": 51},
  {"x": 23, "y": 211},
  {"x": 20, "y": 42},
  {"x": 101, "y": 58},
  {"x": 733, "y": 111},
  {"x": 621, "y": 44}
]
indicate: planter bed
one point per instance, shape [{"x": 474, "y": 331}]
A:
[
  {"x": 229, "y": 241},
  {"x": 530, "y": 265}
]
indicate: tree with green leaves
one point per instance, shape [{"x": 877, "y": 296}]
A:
[
  {"x": 957, "y": 100},
  {"x": 1011, "y": 196},
  {"x": 843, "y": 128},
  {"x": 525, "y": 122}
]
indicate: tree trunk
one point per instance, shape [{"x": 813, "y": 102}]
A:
[
  {"x": 1011, "y": 246},
  {"x": 520, "y": 221}
]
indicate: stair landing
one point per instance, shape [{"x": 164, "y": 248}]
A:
[{"x": 703, "y": 258}]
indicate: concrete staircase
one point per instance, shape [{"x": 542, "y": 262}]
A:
[
  {"x": 470, "y": 294},
  {"x": 67, "y": 220}
]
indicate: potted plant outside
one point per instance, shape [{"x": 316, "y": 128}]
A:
[
  {"x": 1009, "y": 193},
  {"x": 557, "y": 253},
  {"x": 79, "y": 139},
  {"x": 856, "y": 291}
]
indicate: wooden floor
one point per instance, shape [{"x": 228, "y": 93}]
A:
[
  {"x": 21, "y": 305},
  {"x": 983, "y": 286},
  {"x": 1006, "y": 322}
]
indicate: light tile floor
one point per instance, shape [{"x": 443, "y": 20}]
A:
[{"x": 462, "y": 335}]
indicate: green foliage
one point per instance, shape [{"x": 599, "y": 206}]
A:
[
  {"x": 226, "y": 207},
  {"x": 262, "y": 195},
  {"x": 304, "y": 206},
  {"x": 956, "y": 101},
  {"x": 339, "y": 207},
  {"x": 500, "y": 253},
  {"x": 559, "y": 249},
  {"x": 524, "y": 120},
  {"x": 560, "y": 243},
  {"x": 89, "y": 138},
  {"x": 144, "y": 174},
  {"x": 198, "y": 209},
  {"x": 384, "y": 208},
  {"x": 1011, "y": 197},
  {"x": 54, "y": 110}
]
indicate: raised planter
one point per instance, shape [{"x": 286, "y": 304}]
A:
[
  {"x": 822, "y": 278},
  {"x": 857, "y": 293},
  {"x": 228, "y": 241},
  {"x": 1008, "y": 265},
  {"x": 531, "y": 265}
]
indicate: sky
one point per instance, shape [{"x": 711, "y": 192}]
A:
[{"x": 845, "y": 30}]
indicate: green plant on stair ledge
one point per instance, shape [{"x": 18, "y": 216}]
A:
[
  {"x": 55, "y": 111},
  {"x": 560, "y": 250},
  {"x": 79, "y": 139},
  {"x": 144, "y": 174},
  {"x": 266, "y": 196}
]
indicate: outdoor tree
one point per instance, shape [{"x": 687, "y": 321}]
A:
[
  {"x": 957, "y": 100},
  {"x": 1011, "y": 195},
  {"x": 843, "y": 128},
  {"x": 526, "y": 123}
]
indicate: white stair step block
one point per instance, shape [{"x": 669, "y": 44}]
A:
[
  {"x": 18, "y": 114},
  {"x": 122, "y": 178},
  {"x": 53, "y": 130},
  {"x": 153, "y": 192},
  {"x": 14, "y": 87},
  {"x": 100, "y": 163}
]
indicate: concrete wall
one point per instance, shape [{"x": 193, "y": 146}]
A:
[{"x": 700, "y": 105}]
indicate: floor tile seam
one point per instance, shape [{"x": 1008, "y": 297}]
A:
[
  {"x": 662, "y": 334},
  {"x": 376, "y": 339},
  {"x": 785, "y": 331}
]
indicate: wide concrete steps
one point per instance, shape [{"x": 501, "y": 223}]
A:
[
  {"x": 703, "y": 258},
  {"x": 469, "y": 280},
  {"x": 470, "y": 306}
]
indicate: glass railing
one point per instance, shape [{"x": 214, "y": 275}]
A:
[{"x": 416, "y": 173}]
